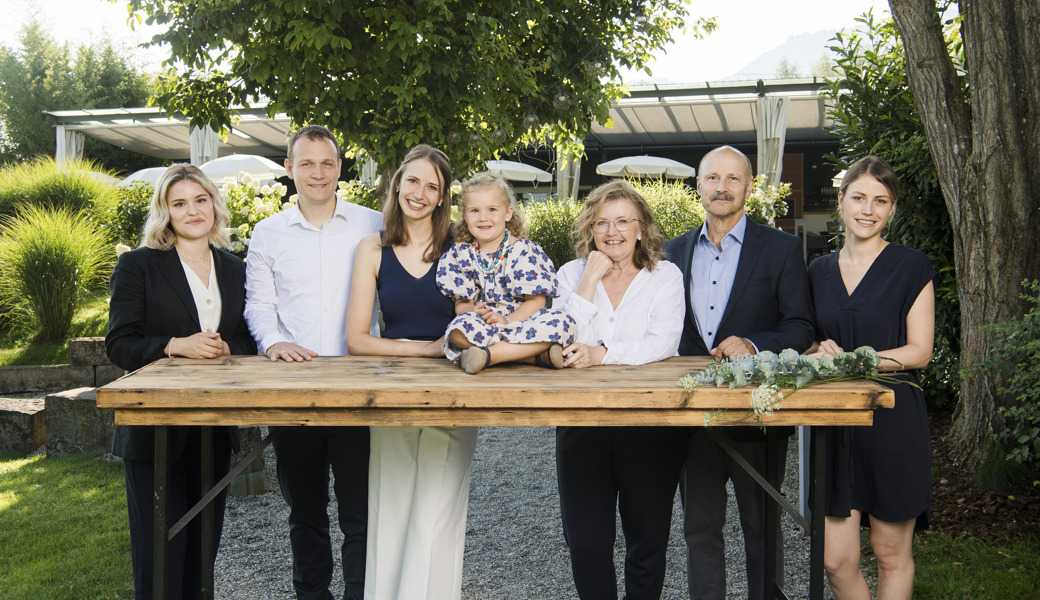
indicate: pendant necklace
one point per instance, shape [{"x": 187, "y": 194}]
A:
[{"x": 489, "y": 266}]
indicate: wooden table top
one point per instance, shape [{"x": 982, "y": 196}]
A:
[{"x": 367, "y": 390}]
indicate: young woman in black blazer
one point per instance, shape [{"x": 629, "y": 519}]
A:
[{"x": 176, "y": 295}]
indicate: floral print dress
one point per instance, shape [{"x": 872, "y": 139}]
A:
[{"x": 525, "y": 269}]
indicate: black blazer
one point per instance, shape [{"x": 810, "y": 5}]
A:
[
  {"x": 770, "y": 303},
  {"x": 152, "y": 302}
]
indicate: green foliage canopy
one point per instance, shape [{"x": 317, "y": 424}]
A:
[
  {"x": 471, "y": 76},
  {"x": 43, "y": 75}
]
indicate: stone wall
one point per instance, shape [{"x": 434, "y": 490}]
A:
[
  {"x": 67, "y": 420},
  {"x": 88, "y": 367}
]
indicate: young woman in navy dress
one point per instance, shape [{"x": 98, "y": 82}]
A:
[
  {"x": 879, "y": 294},
  {"x": 418, "y": 476}
]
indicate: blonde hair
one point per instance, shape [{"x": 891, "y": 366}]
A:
[
  {"x": 488, "y": 180},
  {"x": 394, "y": 231},
  {"x": 648, "y": 250},
  {"x": 158, "y": 232}
]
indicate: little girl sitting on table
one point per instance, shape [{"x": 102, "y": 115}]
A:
[{"x": 500, "y": 282}]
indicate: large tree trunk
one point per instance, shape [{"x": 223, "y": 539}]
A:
[{"x": 988, "y": 161}]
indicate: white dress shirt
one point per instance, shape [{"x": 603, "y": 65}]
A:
[
  {"x": 647, "y": 323},
  {"x": 298, "y": 277},
  {"x": 206, "y": 295}
]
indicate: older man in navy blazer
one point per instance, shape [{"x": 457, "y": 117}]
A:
[{"x": 746, "y": 291}]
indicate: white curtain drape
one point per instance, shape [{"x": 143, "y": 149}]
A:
[
  {"x": 204, "y": 143},
  {"x": 367, "y": 169},
  {"x": 772, "y": 131},
  {"x": 568, "y": 177},
  {"x": 69, "y": 145}
]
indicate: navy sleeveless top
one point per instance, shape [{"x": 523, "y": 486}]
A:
[{"x": 412, "y": 308}]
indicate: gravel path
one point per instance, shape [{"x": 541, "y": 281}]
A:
[{"x": 514, "y": 543}]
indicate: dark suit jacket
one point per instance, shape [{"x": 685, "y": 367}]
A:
[
  {"x": 151, "y": 302},
  {"x": 769, "y": 304}
]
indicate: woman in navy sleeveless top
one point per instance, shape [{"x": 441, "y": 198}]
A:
[
  {"x": 413, "y": 308},
  {"x": 418, "y": 476}
]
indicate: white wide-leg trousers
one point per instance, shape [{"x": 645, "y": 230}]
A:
[{"x": 418, "y": 496}]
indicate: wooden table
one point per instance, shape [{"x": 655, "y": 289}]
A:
[{"x": 359, "y": 390}]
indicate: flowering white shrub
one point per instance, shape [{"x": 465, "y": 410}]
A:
[
  {"x": 249, "y": 203},
  {"x": 767, "y": 202}
]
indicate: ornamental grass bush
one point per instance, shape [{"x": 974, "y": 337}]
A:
[
  {"x": 48, "y": 258},
  {"x": 550, "y": 224},
  {"x": 42, "y": 182},
  {"x": 675, "y": 205}
]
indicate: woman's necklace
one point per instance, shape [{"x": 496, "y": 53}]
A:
[{"x": 489, "y": 266}]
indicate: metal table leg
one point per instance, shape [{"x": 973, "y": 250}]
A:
[
  {"x": 820, "y": 436},
  {"x": 208, "y": 521},
  {"x": 159, "y": 518}
]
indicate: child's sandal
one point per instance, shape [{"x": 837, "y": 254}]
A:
[
  {"x": 475, "y": 359},
  {"x": 552, "y": 358}
]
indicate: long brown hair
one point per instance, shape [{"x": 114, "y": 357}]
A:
[
  {"x": 394, "y": 231},
  {"x": 648, "y": 250}
]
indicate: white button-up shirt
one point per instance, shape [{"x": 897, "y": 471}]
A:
[
  {"x": 647, "y": 323},
  {"x": 298, "y": 277},
  {"x": 206, "y": 295}
]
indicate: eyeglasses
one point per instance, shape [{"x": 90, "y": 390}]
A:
[{"x": 622, "y": 224}]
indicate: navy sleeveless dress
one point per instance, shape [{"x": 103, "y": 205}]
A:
[
  {"x": 413, "y": 308},
  {"x": 883, "y": 470}
]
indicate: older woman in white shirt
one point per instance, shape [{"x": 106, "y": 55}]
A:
[{"x": 629, "y": 307}]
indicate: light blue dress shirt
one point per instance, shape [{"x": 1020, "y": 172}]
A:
[{"x": 711, "y": 279}]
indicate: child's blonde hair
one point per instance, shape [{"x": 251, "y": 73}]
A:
[{"x": 485, "y": 180}]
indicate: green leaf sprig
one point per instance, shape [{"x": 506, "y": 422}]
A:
[{"x": 789, "y": 370}]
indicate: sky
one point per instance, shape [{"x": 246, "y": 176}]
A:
[{"x": 747, "y": 28}]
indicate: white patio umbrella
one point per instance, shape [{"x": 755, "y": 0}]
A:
[
  {"x": 102, "y": 177},
  {"x": 257, "y": 167},
  {"x": 515, "y": 171},
  {"x": 643, "y": 166},
  {"x": 150, "y": 175}
]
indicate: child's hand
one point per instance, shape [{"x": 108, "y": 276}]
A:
[{"x": 489, "y": 315}]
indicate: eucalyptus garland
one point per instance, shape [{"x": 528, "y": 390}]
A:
[{"x": 788, "y": 371}]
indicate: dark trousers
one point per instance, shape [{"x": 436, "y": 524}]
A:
[
  {"x": 703, "y": 487},
  {"x": 633, "y": 470},
  {"x": 184, "y": 553},
  {"x": 305, "y": 457}
]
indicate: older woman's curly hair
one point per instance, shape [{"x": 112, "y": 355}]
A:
[
  {"x": 488, "y": 180},
  {"x": 649, "y": 249}
]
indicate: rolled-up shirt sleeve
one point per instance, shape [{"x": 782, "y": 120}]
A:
[{"x": 647, "y": 323}]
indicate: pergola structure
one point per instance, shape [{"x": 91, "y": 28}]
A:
[{"x": 651, "y": 117}]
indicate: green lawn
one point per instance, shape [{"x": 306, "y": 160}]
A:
[
  {"x": 91, "y": 320},
  {"x": 63, "y": 528},
  {"x": 968, "y": 568}
]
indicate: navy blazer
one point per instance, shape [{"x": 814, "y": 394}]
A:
[
  {"x": 151, "y": 303},
  {"x": 770, "y": 303}
]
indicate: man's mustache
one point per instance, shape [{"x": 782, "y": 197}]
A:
[{"x": 721, "y": 196}]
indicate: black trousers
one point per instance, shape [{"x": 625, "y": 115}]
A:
[
  {"x": 633, "y": 470},
  {"x": 184, "y": 552},
  {"x": 703, "y": 488},
  {"x": 305, "y": 457}
]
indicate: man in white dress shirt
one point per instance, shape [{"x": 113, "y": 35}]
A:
[{"x": 298, "y": 275}]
